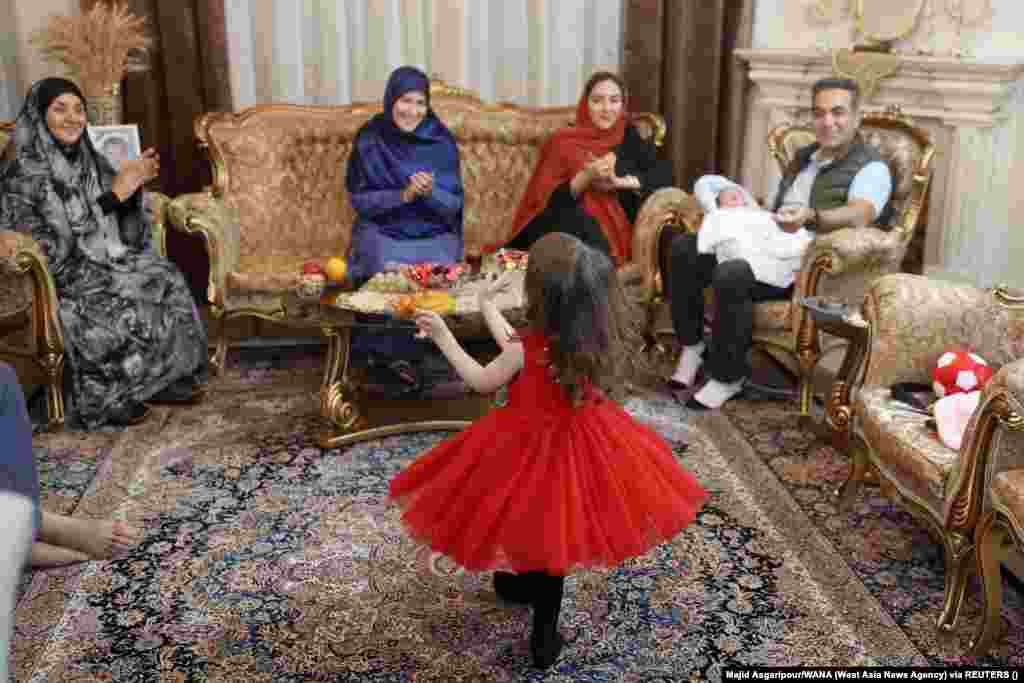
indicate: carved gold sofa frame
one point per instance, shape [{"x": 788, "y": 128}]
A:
[
  {"x": 838, "y": 264},
  {"x": 913, "y": 321},
  {"x": 999, "y": 473},
  {"x": 278, "y": 196},
  {"x": 29, "y": 324}
]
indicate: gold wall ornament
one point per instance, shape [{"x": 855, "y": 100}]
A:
[
  {"x": 866, "y": 68},
  {"x": 886, "y": 21},
  {"x": 1009, "y": 297}
]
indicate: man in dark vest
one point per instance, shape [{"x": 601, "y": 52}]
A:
[{"x": 837, "y": 182}]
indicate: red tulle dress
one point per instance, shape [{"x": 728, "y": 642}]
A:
[{"x": 541, "y": 485}]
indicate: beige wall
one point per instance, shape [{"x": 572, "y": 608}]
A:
[
  {"x": 790, "y": 24},
  {"x": 20, "y": 63}
]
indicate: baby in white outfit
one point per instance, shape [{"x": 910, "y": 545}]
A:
[{"x": 735, "y": 227}]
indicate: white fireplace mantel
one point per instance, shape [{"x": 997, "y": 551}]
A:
[{"x": 974, "y": 111}]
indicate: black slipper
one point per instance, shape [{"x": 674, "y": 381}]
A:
[
  {"x": 178, "y": 394},
  {"x": 131, "y": 415}
]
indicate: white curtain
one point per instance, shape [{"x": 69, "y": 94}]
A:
[
  {"x": 537, "y": 52},
  {"x": 10, "y": 98}
]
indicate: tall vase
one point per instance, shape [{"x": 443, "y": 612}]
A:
[{"x": 105, "y": 108}]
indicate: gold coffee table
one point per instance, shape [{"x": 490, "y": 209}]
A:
[{"x": 353, "y": 415}]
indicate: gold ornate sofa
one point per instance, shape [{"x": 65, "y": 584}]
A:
[
  {"x": 278, "y": 196},
  {"x": 913, "y": 321},
  {"x": 838, "y": 264},
  {"x": 29, "y": 326}
]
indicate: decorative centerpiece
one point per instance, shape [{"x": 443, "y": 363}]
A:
[
  {"x": 97, "y": 48},
  {"x": 438, "y": 276},
  {"x": 511, "y": 259}
]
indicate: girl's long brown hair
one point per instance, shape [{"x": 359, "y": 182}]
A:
[{"x": 573, "y": 296}]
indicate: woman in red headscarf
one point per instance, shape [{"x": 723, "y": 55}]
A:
[{"x": 592, "y": 178}]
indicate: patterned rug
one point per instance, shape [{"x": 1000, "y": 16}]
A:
[
  {"x": 891, "y": 553},
  {"x": 268, "y": 559}
]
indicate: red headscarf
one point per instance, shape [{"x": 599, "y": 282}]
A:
[{"x": 561, "y": 158}]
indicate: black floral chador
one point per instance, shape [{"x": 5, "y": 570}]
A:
[{"x": 131, "y": 327}]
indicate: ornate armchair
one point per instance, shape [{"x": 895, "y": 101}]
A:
[
  {"x": 29, "y": 325},
  {"x": 278, "y": 196},
  {"x": 838, "y": 264},
  {"x": 913, "y": 321}
]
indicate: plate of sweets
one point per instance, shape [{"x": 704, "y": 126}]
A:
[
  {"x": 390, "y": 282},
  {"x": 437, "y": 300}
]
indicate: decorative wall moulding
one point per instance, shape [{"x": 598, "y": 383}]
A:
[
  {"x": 956, "y": 91},
  {"x": 914, "y": 27}
]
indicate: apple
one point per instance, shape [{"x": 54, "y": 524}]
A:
[{"x": 312, "y": 268}]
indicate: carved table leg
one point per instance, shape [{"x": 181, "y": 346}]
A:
[
  {"x": 340, "y": 398},
  {"x": 337, "y": 393}
]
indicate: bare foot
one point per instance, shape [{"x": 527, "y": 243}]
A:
[
  {"x": 105, "y": 539},
  {"x": 45, "y": 556},
  {"x": 99, "y": 539}
]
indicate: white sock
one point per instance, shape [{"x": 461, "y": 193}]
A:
[
  {"x": 689, "y": 363},
  {"x": 715, "y": 393}
]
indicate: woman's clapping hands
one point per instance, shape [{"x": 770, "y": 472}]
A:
[
  {"x": 135, "y": 173},
  {"x": 601, "y": 167},
  {"x": 421, "y": 183}
]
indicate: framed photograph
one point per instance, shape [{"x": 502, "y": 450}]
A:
[{"x": 117, "y": 143}]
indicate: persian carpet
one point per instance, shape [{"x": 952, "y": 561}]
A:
[{"x": 266, "y": 558}]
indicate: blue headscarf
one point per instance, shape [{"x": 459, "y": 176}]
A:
[{"x": 384, "y": 157}]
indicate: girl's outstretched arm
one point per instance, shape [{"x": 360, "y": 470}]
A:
[
  {"x": 499, "y": 327},
  {"x": 482, "y": 379}
]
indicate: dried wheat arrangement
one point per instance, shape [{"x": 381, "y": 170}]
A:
[{"x": 98, "y": 47}]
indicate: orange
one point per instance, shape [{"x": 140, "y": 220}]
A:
[{"x": 335, "y": 269}]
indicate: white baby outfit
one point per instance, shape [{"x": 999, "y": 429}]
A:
[{"x": 749, "y": 233}]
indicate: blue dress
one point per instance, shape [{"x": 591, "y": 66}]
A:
[{"x": 388, "y": 230}]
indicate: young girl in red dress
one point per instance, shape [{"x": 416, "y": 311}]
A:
[{"x": 561, "y": 477}]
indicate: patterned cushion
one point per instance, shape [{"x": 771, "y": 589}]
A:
[
  {"x": 1007, "y": 491},
  {"x": 283, "y": 169},
  {"x": 908, "y": 452}
]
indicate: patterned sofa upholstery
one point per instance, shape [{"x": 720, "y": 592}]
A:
[
  {"x": 840, "y": 264},
  {"x": 278, "y": 196},
  {"x": 29, "y": 326},
  {"x": 913, "y": 321}
]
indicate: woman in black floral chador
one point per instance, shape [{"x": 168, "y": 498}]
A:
[{"x": 131, "y": 329}]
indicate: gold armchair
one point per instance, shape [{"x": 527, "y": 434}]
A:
[
  {"x": 29, "y": 324},
  {"x": 839, "y": 264},
  {"x": 914, "y": 320}
]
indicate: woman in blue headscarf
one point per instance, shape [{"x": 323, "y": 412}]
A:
[
  {"x": 406, "y": 187},
  {"x": 404, "y": 179}
]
